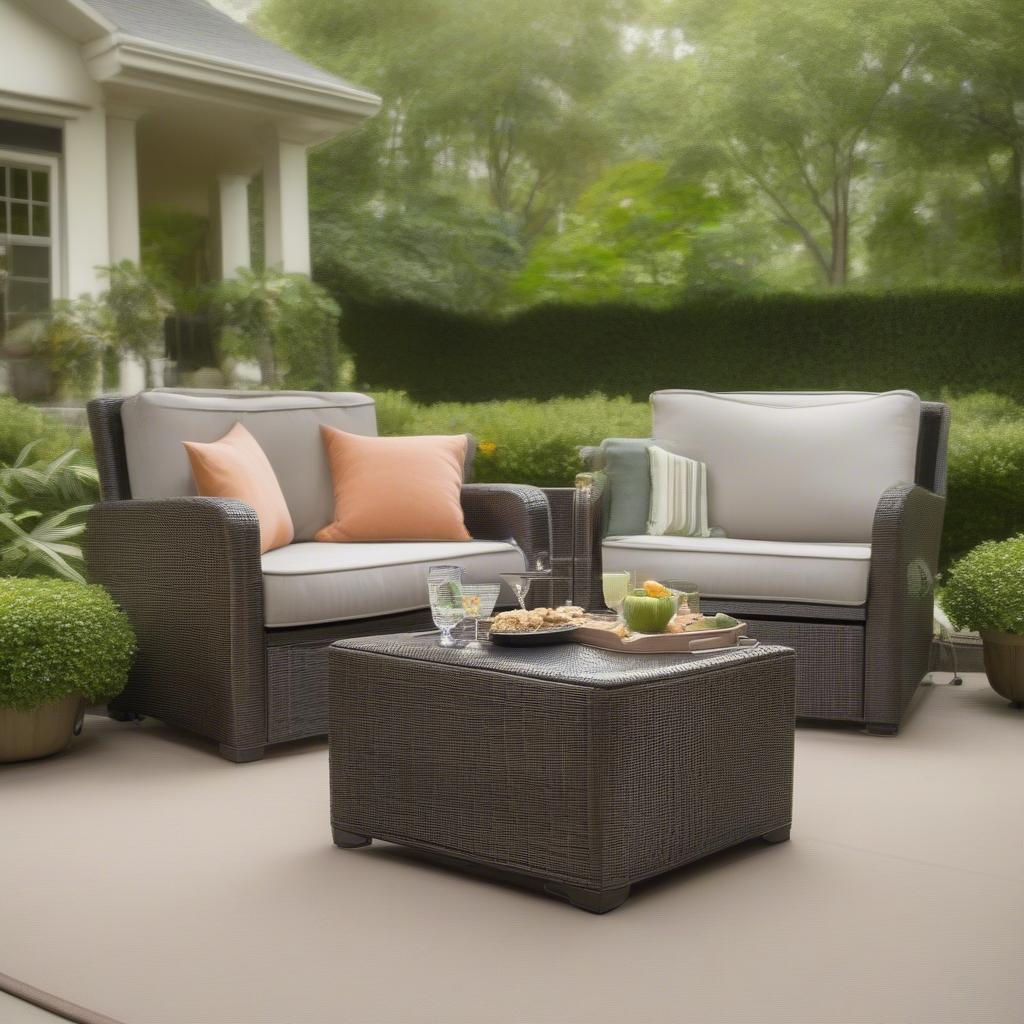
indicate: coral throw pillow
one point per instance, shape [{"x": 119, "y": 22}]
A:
[
  {"x": 236, "y": 467},
  {"x": 395, "y": 488}
]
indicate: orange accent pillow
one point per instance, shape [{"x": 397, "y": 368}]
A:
[
  {"x": 237, "y": 467},
  {"x": 395, "y": 488}
]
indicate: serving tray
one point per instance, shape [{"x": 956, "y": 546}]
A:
[{"x": 665, "y": 643}]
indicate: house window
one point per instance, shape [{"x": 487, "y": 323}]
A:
[{"x": 26, "y": 241}]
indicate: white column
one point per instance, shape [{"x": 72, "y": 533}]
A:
[
  {"x": 233, "y": 212},
  {"x": 123, "y": 221},
  {"x": 86, "y": 242},
  {"x": 286, "y": 206},
  {"x": 122, "y": 188}
]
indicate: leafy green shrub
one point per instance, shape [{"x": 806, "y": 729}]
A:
[
  {"x": 68, "y": 342},
  {"x": 59, "y": 638},
  {"x": 283, "y": 321},
  {"x": 985, "y": 498},
  {"x": 137, "y": 307},
  {"x": 42, "y": 511},
  {"x": 22, "y": 424},
  {"x": 985, "y": 588},
  {"x": 926, "y": 341}
]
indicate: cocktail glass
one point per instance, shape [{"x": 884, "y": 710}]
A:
[
  {"x": 444, "y": 587},
  {"x": 478, "y": 600}
]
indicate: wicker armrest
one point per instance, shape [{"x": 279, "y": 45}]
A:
[
  {"x": 187, "y": 572},
  {"x": 905, "y": 543},
  {"x": 509, "y": 511}
]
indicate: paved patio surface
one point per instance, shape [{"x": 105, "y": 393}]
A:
[{"x": 146, "y": 879}]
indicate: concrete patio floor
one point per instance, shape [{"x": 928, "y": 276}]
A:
[{"x": 148, "y": 880}]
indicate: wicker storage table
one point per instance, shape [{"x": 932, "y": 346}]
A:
[{"x": 586, "y": 769}]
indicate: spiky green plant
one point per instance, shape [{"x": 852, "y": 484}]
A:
[{"x": 42, "y": 513}]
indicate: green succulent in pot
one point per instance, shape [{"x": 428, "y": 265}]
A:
[
  {"x": 984, "y": 591},
  {"x": 62, "y": 645}
]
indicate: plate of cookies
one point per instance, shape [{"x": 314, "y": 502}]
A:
[{"x": 535, "y": 627}]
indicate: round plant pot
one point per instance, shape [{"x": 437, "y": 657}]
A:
[
  {"x": 25, "y": 735},
  {"x": 1004, "y": 664}
]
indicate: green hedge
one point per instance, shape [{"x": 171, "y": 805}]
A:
[
  {"x": 536, "y": 442},
  {"x": 928, "y": 341},
  {"x": 986, "y": 473}
]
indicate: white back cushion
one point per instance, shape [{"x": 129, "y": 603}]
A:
[
  {"x": 285, "y": 423},
  {"x": 793, "y": 466}
]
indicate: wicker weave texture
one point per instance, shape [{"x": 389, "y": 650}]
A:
[
  {"x": 297, "y": 672},
  {"x": 901, "y": 595},
  {"x": 846, "y": 671},
  {"x": 187, "y": 572},
  {"x": 621, "y": 774}
]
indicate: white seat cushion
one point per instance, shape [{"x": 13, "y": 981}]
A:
[
  {"x": 305, "y": 584},
  {"x": 759, "y": 570},
  {"x": 793, "y": 467}
]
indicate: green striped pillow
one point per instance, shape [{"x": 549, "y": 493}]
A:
[{"x": 679, "y": 495}]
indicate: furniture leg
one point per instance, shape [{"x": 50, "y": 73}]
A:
[
  {"x": 594, "y": 902},
  {"x": 777, "y": 835},
  {"x": 349, "y": 840},
  {"x": 241, "y": 755},
  {"x": 123, "y": 716},
  {"x": 881, "y": 729}
]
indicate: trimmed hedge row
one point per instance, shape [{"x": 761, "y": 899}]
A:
[{"x": 929, "y": 341}]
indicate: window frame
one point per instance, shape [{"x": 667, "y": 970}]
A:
[{"x": 32, "y": 160}]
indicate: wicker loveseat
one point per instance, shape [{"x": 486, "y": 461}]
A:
[
  {"x": 832, "y": 507},
  {"x": 231, "y": 644}
]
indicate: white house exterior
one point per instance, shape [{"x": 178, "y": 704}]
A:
[{"x": 107, "y": 106}]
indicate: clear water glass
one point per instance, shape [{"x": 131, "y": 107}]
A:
[
  {"x": 478, "y": 600},
  {"x": 688, "y": 593},
  {"x": 615, "y": 589},
  {"x": 444, "y": 587}
]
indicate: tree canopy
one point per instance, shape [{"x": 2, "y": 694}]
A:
[{"x": 645, "y": 149}]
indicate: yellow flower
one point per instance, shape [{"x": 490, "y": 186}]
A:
[{"x": 486, "y": 447}]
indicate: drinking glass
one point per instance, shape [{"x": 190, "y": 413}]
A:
[
  {"x": 688, "y": 593},
  {"x": 478, "y": 600},
  {"x": 615, "y": 588},
  {"x": 444, "y": 586},
  {"x": 520, "y": 584}
]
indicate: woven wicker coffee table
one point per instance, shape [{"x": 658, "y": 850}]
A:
[{"x": 589, "y": 770}]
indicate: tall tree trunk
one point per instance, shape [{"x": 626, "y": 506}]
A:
[{"x": 840, "y": 225}]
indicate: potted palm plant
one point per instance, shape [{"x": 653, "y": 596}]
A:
[{"x": 985, "y": 592}]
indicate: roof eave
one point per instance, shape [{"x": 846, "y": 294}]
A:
[{"x": 119, "y": 57}]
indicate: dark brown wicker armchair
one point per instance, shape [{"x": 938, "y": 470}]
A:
[
  {"x": 859, "y": 660},
  {"x": 214, "y": 657}
]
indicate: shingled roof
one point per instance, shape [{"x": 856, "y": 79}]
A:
[{"x": 196, "y": 27}]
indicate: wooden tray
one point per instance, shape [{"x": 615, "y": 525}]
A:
[{"x": 665, "y": 643}]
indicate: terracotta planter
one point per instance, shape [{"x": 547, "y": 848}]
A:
[
  {"x": 1004, "y": 664},
  {"x": 25, "y": 735}
]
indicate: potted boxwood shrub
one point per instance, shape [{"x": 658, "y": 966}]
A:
[
  {"x": 985, "y": 592},
  {"x": 62, "y": 645}
]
